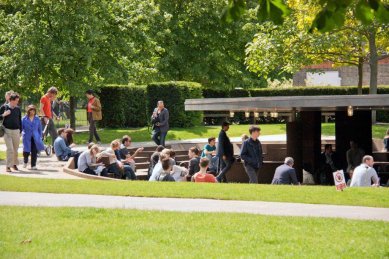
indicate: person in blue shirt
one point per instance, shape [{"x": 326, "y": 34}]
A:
[
  {"x": 62, "y": 150},
  {"x": 251, "y": 154},
  {"x": 209, "y": 152},
  {"x": 32, "y": 137}
]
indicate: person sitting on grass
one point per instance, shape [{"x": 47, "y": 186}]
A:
[
  {"x": 87, "y": 162},
  {"x": 62, "y": 150},
  {"x": 154, "y": 159},
  {"x": 365, "y": 174},
  {"x": 165, "y": 175},
  {"x": 202, "y": 176},
  {"x": 194, "y": 161},
  {"x": 124, "y": 153},
  {"x": 286, "y": 174},
  {"x": 158, "y": 167},
  {"x": 115, "y": 165}
]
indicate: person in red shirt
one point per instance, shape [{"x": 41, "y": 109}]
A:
[
  {"x": 46, "y": 112},
  {"x": 202, "y": 176}
]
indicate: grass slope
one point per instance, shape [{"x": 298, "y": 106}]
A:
[
  {"x": 372, "y": 197},
  {"x": 102, "y": 233}
]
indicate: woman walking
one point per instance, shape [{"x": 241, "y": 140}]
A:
[
  {"x": 12, "y": 123},
  {"x": 32, "y": 137},
  {"x": 94, "y": 114}
]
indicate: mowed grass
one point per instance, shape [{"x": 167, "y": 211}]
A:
[
  {"x": 372, "y": 197},
  {"x": 2, "y": 155},
  {"x": 106, "y": 233},
  {"x": 144, "y": 134}
]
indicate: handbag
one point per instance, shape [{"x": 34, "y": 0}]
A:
[{"x": 2, "y": 129}]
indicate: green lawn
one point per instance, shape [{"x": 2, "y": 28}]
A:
[
  {"x": 373, "y": 197},
  {"x": 106, "y": 233},
  {"x": 142, "y": 134},
  {"x": 2, "y": 155}
]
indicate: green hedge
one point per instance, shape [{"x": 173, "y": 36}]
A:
[
  {"x": 131, "y": 106},
  {"x": 174, "y": 94},
  {"x": 123, "y": 106},
  {"x": 306, "y": 91}
]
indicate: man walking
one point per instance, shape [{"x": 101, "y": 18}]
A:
[
  {"x": 251, "y": 154},
  {"x": 160, "y": 121},
  {"x": 225, "y": 152},
  {"x": 47, "y": 113},
  {"x": 94, "y": 114}
]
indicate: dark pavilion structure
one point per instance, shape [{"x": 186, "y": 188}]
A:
[{"x": 353, "y": 120}]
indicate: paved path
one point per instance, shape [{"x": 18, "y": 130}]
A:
[{"x": 192, "y": 205}]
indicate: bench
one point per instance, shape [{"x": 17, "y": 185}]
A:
[{"x": 69, "y": 168}]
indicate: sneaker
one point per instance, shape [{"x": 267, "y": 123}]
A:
[
  {"x": 98, "y": 142},
  {"x": 16, "y": 168},
  {"x": 25, "y": 165},
  {"x": 34, "y": 168},
  {"x": 8, "y": 170}
]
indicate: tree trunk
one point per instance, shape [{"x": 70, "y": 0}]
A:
[
  {"x": 373, "y": 62},
  {"x": 73, "y": 112},
  {"x": 360, "y": 75}
]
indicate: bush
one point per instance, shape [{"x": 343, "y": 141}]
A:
[
  {"x": 306, "y": 91},
  {"x": 174, "y": 94},
  {"x": 123, "y": 106}
]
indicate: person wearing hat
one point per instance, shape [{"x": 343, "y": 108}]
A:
[
  {"x": 94, "y": 114},
  {"x": 32, "y": 136}
]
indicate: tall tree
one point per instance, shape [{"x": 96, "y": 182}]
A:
[
  {"x": 292, "y": 46},
  {"x": 74, "y": 45},
  {"x": 198, "y": 47}
]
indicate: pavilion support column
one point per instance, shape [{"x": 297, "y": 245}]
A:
[
  {"x": 294, "y": 147},
  {"x": 357, "y": 127},
  {"x": 311, "y": 139}
]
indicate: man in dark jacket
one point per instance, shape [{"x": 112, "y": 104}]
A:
[
  {"x": 251, "y": 154},
  {"x": 225, "y": 152},
  {"x": 285, "y": 174},
  {"x": 160, "y": 121},
  {"x": 328, "y": 165}
]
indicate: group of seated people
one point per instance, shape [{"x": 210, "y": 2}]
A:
[
  {"x": 116, "y": 161},
  {"x": 166, "y": 169},
  {"x": 359, "y": 172}
]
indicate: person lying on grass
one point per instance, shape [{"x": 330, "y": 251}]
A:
[{"x": 202, "y": 176}]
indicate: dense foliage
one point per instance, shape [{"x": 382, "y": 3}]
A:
[{"x": 173, "y": 95}]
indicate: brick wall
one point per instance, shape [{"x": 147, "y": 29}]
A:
[{"x": 349, "y": 74}]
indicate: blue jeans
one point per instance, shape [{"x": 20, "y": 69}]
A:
[{"x": 159, "y": 137}]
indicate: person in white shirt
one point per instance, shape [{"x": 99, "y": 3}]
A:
[
  {"x": 158, "y": 167},
  {"x": 365, "y": 174}
]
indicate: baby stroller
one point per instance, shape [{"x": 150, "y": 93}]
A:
[{"x": 48, "y": 147}]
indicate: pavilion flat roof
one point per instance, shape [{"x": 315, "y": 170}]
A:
[{"x": 288, "y": 103}]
